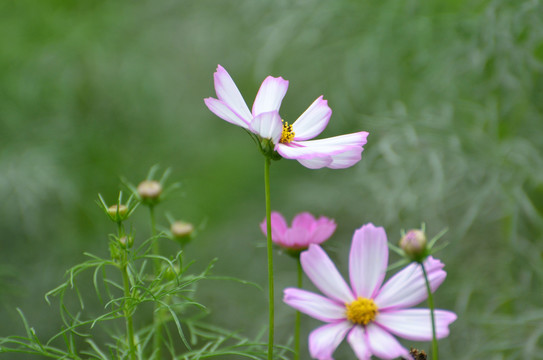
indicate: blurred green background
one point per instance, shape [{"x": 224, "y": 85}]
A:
[{"x": 451, "y": 92}]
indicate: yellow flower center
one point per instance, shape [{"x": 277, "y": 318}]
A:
[
  {"x": 288, "y": 135},
  {"x": 362, "y": 311}
]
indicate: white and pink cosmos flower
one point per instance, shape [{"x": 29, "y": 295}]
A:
[
  {"x": 367, "y": 312},
  {"x": 290, "y": 141},
  {"x": 305, "y": 230}
]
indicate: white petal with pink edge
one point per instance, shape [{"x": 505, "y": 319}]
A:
[
  {"x": 408, "y": 288},
  {"x": 359, "y": 344},
  {"x": 346, "y": 158},
  {"x": 270, "y": 95},
  {"x": 228, "y": 92},
  {"x": 324, "y": 340},
  {"x": 416, "y": 324},
  {"x": 267, "y": 125},
  {"x": 313, "y": 121},
  {"x": 316, "y": 162},
  {"x": 324, "y": 274},
  {"x": 222, "y": 110},
  {"x": 384, "y": 345},
  {"x": 314, "y": 305},
  {"x": 368, "y": 260}
]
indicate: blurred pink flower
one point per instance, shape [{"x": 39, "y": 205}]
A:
[
  {"x": 367, "y": 313},
  {"x": 290, "y": 141},
  {"x": 305, "y": 230}
]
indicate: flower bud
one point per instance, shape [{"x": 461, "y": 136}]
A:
[
  {"x": 126, "y": 241},
  {"x": 149, "y": 190},
  {"x": 117, "y": 212},
  {"x": 182, "y": 231},
  {"x": 414, "y": 244}
]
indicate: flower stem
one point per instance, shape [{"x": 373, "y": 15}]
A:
[
  {"x": 157, "y": 315},
  {"x": 127, "y": 310},
  {"x": 435, "y": 353},
  {"x": 270, "y": 257},
  {"x": 298, "y": 317}
]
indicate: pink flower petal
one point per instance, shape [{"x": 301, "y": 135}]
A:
[
  {"x": 270, "y": 95},
  {"x": 384, "y": 345},
  {"x": 228, "y": 93},
  {"x": 313, "y": 121},
  {"x": 278, "y": 225},
  {"x": 368, "y": 260},
  {"x": 222, "y": 110},
  {"x": 324, "y": 274},
  {"x": 324, "y": 340},
  {"x": 357, "y": 340},
  {"x": 324, "y": 228},
  {"x": 297, "y": 238},
  {"x": 267, "y": 125},
  {"x": 416, "y": 324},
  {"x": 304, "y": 220},
  {"x": 408, "y": 288},
  {"x": 316, "y": 306},
  {"x": 353, "y": 139},
  {"x": 305, "y": 150}
]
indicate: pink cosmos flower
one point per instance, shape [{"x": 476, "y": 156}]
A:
[
  {"x": 305, "y": 230},
  {"x": 290, "y": 141},
  {"x": 367, "y": 312}
]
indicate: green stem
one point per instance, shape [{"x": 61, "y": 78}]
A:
[
  {"x": 270, "y": 258},
  {"x": 298, "y": 316},
  {"x": 435, "y": 353},
  {"x": 127, "y": 311},
  {"x": 157, "y": 315}
]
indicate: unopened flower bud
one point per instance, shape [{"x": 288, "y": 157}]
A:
[
  {"x": 126, "y": 241},
  {"x": 149, "y": 190},
  {"x": 181, "y": 231},
  {"x": 117, "y": 212},
  {"x": 414, "y": 244}
]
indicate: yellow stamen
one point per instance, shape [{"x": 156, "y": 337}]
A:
[
  {"x": 362, "y": 311},
  {"x": 288, "y": 135}
]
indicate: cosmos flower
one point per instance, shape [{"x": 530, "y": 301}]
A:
[
  {"x": 291, "y": 141},
  {"x": 367, "y": 312},
  {"x": 305, "y": 230}
]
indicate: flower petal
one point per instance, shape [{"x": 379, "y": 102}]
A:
[
  {"x": 228, "y": 93},
  {"x": 323, "y": 230},
  {"x": 269, "y": 96},
  {"x": 359, "y": 344},
  {"x": 384, "y": 345},
  {"x": 222, "y": 110},
  {"x": 316, "y": 306},
  {"x": 313, "y": 121},
  {"x": 324, "y": 340},
  {"x": 322, "y": 147},
  {"x": 416, "y": 324},
  {"x": 408, "y": 288},
  {"x": 297, "y": 238},
  {"x": 278, "y": 225},
  {"x": 368, "y": 260},
  {"x": 324, "y": 274},
  {"x": 268, "y": 125},
  {"x": 305, "y": 220},
  {"x": 347, "y": 158},
  {"x": 316, "y": 162}
]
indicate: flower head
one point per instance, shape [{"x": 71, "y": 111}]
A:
[
  {"x": 291, "y": 141},
  {"x": 367, "y": 312},
  {"x": 305, "y": 230}
]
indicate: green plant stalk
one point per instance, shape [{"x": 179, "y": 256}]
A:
[
  {"x": 270, "y": 258},
  {"x": 435, "y": 352},
  {"x": 127, "y": 311},
  {"x": 298, "y": 316},
  {"x": 157, "y": 315}
]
